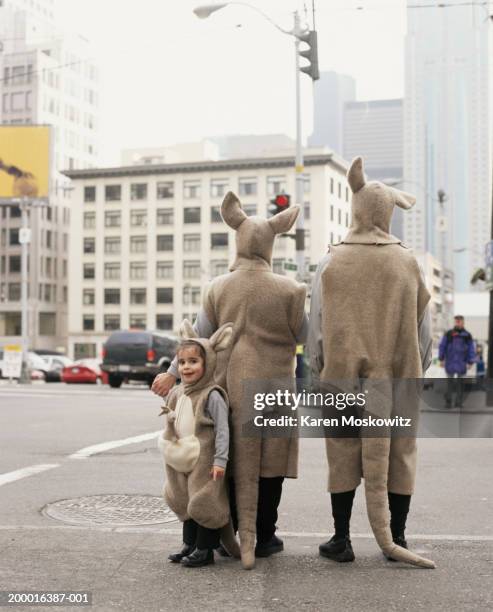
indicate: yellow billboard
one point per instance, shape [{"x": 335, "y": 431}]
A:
[{"x": 25, "y": 153}]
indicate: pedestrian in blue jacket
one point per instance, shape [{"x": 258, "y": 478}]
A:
[{"x": 457, "y": 353}]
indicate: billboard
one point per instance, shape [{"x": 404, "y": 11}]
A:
[{"x": 25, "y": 153}]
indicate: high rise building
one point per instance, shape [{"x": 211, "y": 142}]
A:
[
  {"x": 46, "y": 77},
  {"x": 447, "y": 133},
  {"x": 331, "y": 92}
]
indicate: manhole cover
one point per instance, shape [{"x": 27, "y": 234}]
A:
[{"x": 111, "y": 510}]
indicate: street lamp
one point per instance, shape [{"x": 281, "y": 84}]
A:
[{"x": 301, "y": 34}]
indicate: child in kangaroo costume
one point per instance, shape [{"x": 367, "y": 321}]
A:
[
  {"x": 195, "y": 447},
  {"x": 369, "y": 320},
  {"x": 268, "y": 311}
]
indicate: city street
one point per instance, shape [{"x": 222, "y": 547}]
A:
[{"x": 53, "y": 430}]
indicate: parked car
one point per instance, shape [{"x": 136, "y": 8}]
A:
[
  {"x": 137, "y": 355},
  {"x": 54, "y": 366},
  {"x": 82, "y": 371}
]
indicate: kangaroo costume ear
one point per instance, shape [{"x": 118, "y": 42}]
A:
[
  {"x": 221, "y": 338},
  {"x": 284, "y": 221},
  {"x": 356, "y": 175},
  {"x": 404, "y": 200},
  {"x": 231, "y": 211},
  {"x": 186, "y": 330}
]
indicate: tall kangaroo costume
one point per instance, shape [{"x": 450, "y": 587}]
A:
[
  {"x": 369, "y": 320},
  {"x": 187, "y": 445}
]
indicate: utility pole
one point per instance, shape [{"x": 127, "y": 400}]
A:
[
  {"x": 442, "y": 226},
  {"x": 25, "y": 239}
]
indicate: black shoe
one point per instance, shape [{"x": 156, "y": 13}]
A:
[
  {"x": 199, "y": 558},
  {"x": 272, "y": 546},
  {"x": 222, "y": 552},
  {"x": 186, "y": 550},
  {"x": 338, "y": 550},
  {"x": 400, "y": 541}
]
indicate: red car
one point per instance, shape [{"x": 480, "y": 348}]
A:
[{"x": 83, "y": 371}]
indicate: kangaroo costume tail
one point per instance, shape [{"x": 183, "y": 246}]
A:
[{"x": 375, "y": 455}]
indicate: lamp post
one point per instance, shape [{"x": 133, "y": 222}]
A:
[{"x": 300, "y": 34}]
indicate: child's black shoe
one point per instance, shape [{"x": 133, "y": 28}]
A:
[
  {"x": 186, "y": 550},
  {"x": 338, "y": 550},
  {"x": 199, "y": 558},
  {"x": 274, "y": 545}
]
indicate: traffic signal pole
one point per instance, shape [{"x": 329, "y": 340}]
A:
[{"x": 300, "y": 224}]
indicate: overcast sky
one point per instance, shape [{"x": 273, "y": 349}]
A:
[{"x": 169, "y": 77}]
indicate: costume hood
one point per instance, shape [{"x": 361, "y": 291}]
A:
[
  {"x": 372, "y": 206},
  {"x": 255, "y": 235}
]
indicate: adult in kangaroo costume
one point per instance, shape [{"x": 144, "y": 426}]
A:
[
  {"x": 369, "y": 320},
  {"x": 269, "y": 320}
]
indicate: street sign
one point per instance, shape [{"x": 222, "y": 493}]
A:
[
  {"x": 24, "y": 235},
  {"x": 290, "y": 266},
  {"x": 488, "y": 266},
  {"x": 12, "y": 361}
]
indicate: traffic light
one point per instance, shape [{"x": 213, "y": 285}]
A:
[
  {"x": 311, "y": 54},
  {"x": 279, "y": 203}
]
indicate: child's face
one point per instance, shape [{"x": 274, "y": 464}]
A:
[{"x": 190, "y": 364}]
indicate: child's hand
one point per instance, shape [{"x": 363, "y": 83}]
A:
[{"x": 217, "y": 472}]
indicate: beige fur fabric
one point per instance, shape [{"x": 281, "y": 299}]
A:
[
  {"x": 373, "y": 298},
  {"x": 267, "y": 310},
  {"x": 194, "y": 494}
]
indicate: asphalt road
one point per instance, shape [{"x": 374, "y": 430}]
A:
[{"x": 125, "y": 568}]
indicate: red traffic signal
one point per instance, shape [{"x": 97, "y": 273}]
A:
[{"x": 279, "y": 203}]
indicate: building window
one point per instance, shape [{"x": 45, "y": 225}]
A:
[
  {"x": 138, "y": 296},
  {"x": 250, "y": 209},
  {"x": 111, "y": 322},
  {"x": 164, "y": 321},
  {"x": 164, "y": 295},
  {"x": 339, "y": 190},
  {"x": 331, "y": 185},
  {"x": 218, "y": 267},
  {"x": 306, "y": 183},
  {"x": 88, "y": 322},
  {"x": 14, "y": 292},
  {"x": 339, "y": 216},
  {"x": 247, "y": 186},
  {"x": 191, "y": 269},
  {"x": 90, "y": 194},
  {"x": 89, "y": 245},
  {"x": 164, "y": 216},
  {"x": 331, "y": 212},
  {"x": 15, "y": 212},
  {"x": 306, "y": 210},
  {"x": 47, "y": 323},
  {"x": 191, "y": 243},
  {"x": 191, "y": 215},
  {"x": 138, "y": 244},
  {"x": 164, "y": 243},
  {"x": 89, "y": 271},
  {"x": 216, "y": 214},
  {"x": 164, "y": 269},
  {"x": 138, "y": 218},
  {"x": 112, "y": 218},
  {"x": 112, "y": 271},
  {"x": 14, "y": 236},
  {"x": 138, "y": 191},
  {"x": 219, "y": 241},
  {"x": 89, "y": 220},
  {"x": 347, "y": 194},
  {"x": 14, "y": 263},
  {"x": 112, "y": 245},
  {"x": 138, "y": 270},
  {"x": 165, "y": 189},
  {"x": 191, "y": 295},
  {"x": 138, "y": 321},
  {"x": 275, "y": 185},
  {"x": 88, "y": 297},
  {"x": 112, "y": 193},
  {"x": 191, "y": 189},
  {"x": 112, "y": 296},
  {"x": 347, "y": 219},
  {"x": 219, "y": 187}
]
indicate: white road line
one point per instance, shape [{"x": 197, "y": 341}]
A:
[
  {"x": 83, "y": 453},
  {"x": 286, "y": 534},
  {"x": 25, "y": 472},
  {"x": 67, "y": 396}
]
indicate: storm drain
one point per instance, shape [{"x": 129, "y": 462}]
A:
[{"x": 111, "y": 510}]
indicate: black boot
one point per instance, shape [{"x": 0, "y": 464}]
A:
[
  {"x": 337, "y": 549},
  {"x": 186, "y": 550},
  {"x": 399, "y": 509},
  {"x": 199, "y": 558},
  {"x": 272, "y": 546}
]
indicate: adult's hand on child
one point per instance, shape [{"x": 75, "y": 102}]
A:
[
  {"x": 163, "y": 383},
  {"x": 217, "y": 472}
]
